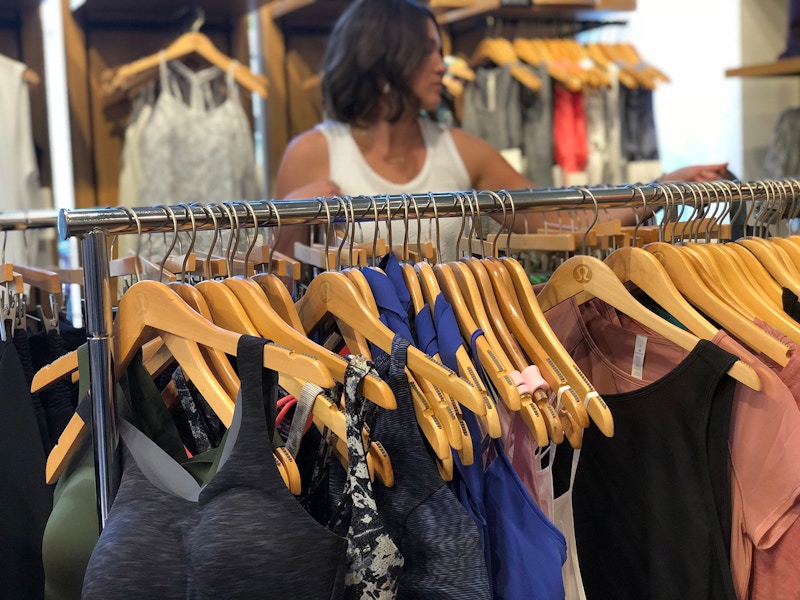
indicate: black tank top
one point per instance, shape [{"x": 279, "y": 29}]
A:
[
  {"x": 650, "y": 503},
  {"x": 242, "y": 535}
]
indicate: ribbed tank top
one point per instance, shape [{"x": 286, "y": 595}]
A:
[{"x": 443, "y": 171}]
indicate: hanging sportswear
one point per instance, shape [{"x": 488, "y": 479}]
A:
[{"x": 241, "y": 535}]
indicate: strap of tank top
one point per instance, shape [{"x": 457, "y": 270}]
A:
[
  {"x": 254, "y": 378},
  {"x": 230, "y": 81},
  {"x": 163, "y": 73}
]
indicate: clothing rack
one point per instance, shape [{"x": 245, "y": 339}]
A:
[{"x": 96, "y": 224}]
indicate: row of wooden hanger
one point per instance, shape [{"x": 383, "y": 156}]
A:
[
  {"x": 692, "y": 269},
  {"x": 576, "y": 66},
  {"x": 694, "y": 282}
]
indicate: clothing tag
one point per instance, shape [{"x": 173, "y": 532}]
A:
[
  {"x": 638, "y": 356},
  {"x": 491, "y": 91}
]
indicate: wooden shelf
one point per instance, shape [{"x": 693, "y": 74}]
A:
[
  {"x": 779, "y": 68},
  {"x": 576, "y": 10},
  {"x": 158, "y": 10},
  {"x": 323, "y": 13}
]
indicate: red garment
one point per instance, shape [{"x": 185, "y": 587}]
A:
[{"x": 570, "y": 144}]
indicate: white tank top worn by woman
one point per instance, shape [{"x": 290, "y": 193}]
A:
[{"x": 443, "y": 171}]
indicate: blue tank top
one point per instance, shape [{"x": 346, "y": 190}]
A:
[{"x": 525, "y": 551}]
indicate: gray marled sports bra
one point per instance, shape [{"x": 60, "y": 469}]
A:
[{"x": 242, "y": 535}]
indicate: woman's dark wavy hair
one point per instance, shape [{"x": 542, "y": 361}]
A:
[{"x": 374, "y": 41}]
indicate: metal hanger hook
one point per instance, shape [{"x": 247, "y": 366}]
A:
[
  {"x": 174, "y": 219},
  {"x": 584, "y": 191}
]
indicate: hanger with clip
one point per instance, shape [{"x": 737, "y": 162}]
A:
[
  {"x": 598, "y": 280},
  {"x": 426, "y": 291},
  {"x": 523, "y": 315},
  {"x": 480, "y": 296},
  {"x": 445, "y": 406}
]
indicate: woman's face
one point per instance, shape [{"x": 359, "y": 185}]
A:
[{"x": 426, "y": 83}]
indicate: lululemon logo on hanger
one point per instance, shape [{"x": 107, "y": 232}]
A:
[
  {"x": 582, "y": 274},
  {"x": 325, "y": 293},
  {"x": 659, "y": 256}
]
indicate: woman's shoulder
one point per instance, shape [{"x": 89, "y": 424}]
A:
[{"x": 311, "y": 144}]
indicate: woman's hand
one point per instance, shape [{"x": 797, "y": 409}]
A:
[{"x": 697, "y": 173}]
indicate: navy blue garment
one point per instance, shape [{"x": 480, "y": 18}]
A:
[
  {"x": 392, "y": 312},
  {"x": 438, "y": 540},
  {"x": 59, "y": 399},
  {"x": 391, "y": 266},
  {"x": 21, "y": 342},
  {"x": 525, "y": 550},
  {"x": 426, "y": 332}
]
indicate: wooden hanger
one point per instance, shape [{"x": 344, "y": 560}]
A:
[
  {"x": 122, "y": 79},
  {"x": 739, "y": 275},
  {"x": 530, "y": 52},
  {"x": 489, "y": 350},
  {"x": 694, "y": 288},
  {"x": 774, "y": 260},
  {"x": 270, "y": 324},
  {"x": 587, "y": 274},
  {"x": 332, "y": 293},
  {"x": 513, "y": 314},
  {"x": 217, "y": 361},
  {"x": 495, "y": 320},
  {"x": 487, "y": 413},
  {"x": 500, "y": 52}
]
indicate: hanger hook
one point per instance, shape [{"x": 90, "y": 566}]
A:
[
  {"x": 585, "y": 190},
  {"x": 419, "y": 226},
  {"x": 496, "y": 197},
  {"x": 375, "y": 213},
  {"x": 272, "y": 239},
  {"x": 233, "y": 240},
  {"x": 209, "y": 210},
  {"x": 405, "y": 227},
  {"x": 135, "y": 219},
  {"x": 510, "y": 197},
  {"x": 341, "y": 205},
  {"x": 737, "y": 185},
  {"x": 249, "y": 208},
  {"x": 174, "y": 219},
  {"x": 438, "y": 249},
  {"x": 190, "y": 214},
  {"x": 726, "y": 205},
  {"x": 328, "y": 226},
  {"x": 639, "y": 220},
  {"x": 459, "y": 198}
]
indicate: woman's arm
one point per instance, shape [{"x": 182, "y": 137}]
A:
[
  {"x": 302, "y": 174},
  {"x": 488, "y": 170}
]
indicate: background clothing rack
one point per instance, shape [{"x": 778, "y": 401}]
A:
[{"x": 94, "y": 225}]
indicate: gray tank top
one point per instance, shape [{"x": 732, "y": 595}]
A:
[{"x": 241, "y": 535}]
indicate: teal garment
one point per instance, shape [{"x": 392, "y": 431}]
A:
[{"x": 72, "y": 530}]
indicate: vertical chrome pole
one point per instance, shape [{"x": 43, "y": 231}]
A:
[{"x": 98, "y": 330}]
